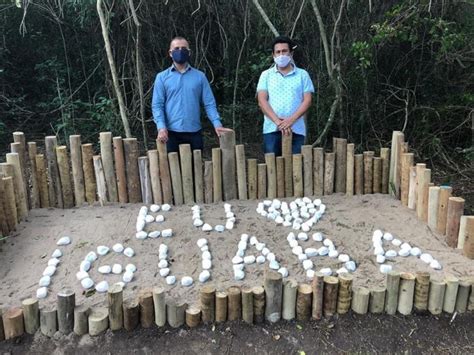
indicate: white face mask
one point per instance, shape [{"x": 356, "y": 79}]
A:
[{"x": 282, "y": 60}]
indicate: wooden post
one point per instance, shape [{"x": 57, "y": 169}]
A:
[
  {"x": 455, "y": 211},
  {"x": 344, "y": 296},
  {"x": 208, "y": 304},
  {"x": 271, "y": 175},
  {"x": 145, "y": 180},
  {"x": 422, "y": 201},
  {"x": 221, "y": 306},
  {"x": 350, "y": 169},
  {"x": 450, "y": 295},
  {"x": 131, "y": 314},
  {"x": 436, "y": 296},
  {"x": 392, "y": 283},
  {"x": 13, "y": 322},
  {"x": 105, "y": 139},
  {"x": 341, "y": 164},
  {"x": 175, "y": 311},
  {"x": 176, "y": 181},
  {"x": 241, "y": 171},
  {"x": 394, "y": 173},
  {"x": 331, "y": 286},
  {"x": 11, "y": 215},
  {"x": 77, "y": 173},
  {"x": 422, "y": 285},
  {"x": 89, "y": 175},
  {"x": 145, "y": 300},
  {"x": 42, "y": 181},
  {"x": 262, "y": 181},
  {"x": 303, "y": 302},
  {"x": 420, "y": 168},
  {"x": 31, "y": 315},
  {"x": 258, "y": 304},
  {"x": 318, "y": 290},
  {"x": 468, "y": 247},
  {"x": 100, "y": 179},
  {"x": 164, "y": 172},
  {"x": 227, "y": 145},
  {"x": 247, "y": 305},
  {"x": 208, "y": 183},
  {"x": 187, "y": 172},
  {"x": 318, "y": 171},
  {"x": 433, "y": 201},
  {"x": 280, "y": 172},
  {"x": 287, "y": 150},
  {"x": 66, "y": 302},
  {"x": 444, "y": 195},
  {"x": 159, "y": 304},
  {"x": 22, "y": 205},
  {"x": 34, "y": 189},
  {"x": 377, "y": 175},
  {"x": 115, "y": 301},
  {"x": 406, "y": 293},
  {"x": 297, "y": 175},
  {"x": 463, "y": 296},
  {"x": 4, "y": 229},
  {"x": 273, "y": 295},
  {"x": 48, "y": 321},
  {"x": 407, "y": 162},
  {"x": 65, "y": 177},
  {"x": 307, "y": 153},
  {"x": 234, "y": 304},
  {"x": 368, "y": 171},
  {"x": 377, "y": 300},
  {"x": 55, "y": 196},
  {"x": 198, "y": 182},
  {"x": 290, "y": 287},
  {"x": 193, "y": 316},
  {"x": 19, "y": 146},
  {"x": 120, "y": 169},
  {"x": 81, "y": 320},
  {"x": 155, "y": 176},
  {"x": 360, "y": 300},
  {"x": 385, "y": 155},
  {"x": 359, "y": 174},
  {"x": 329, "y": 160},
  {"x": 412, "y": 188},
  {"x": 130, "y": 148},
  {"x": 462, "y": 231},
  {"x": 217, "y": 174},
  {"x": 252, "y": 178},
  {"x": 98, "y": 321}
]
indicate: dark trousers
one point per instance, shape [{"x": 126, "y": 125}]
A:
[
  {"x": 177, "y": 138},
  {"x": 272, "y": 143}
]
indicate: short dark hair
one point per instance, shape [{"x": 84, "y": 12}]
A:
[
  {"x": 178, "y": 38},
  {"x": 283, "y": 39}
]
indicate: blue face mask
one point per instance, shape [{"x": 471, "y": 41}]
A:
[{"x": 180, "y": 56}]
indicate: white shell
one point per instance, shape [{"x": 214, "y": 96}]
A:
[
  {"x": 378, "y": 234},
  {"x": 404, "y": 252},
  {"x": 293, "y": 243},
  {"x": 127, "y": 277},
  {"x": 326, "y": 271},
  {"x": 143, "y": 211},
  {"x": 91, "y": 257},
  {"x": 391, "y": 254},
  {"x": 253, "y": 240},
  {"x": 170, "y": 280},
  {"x": 198, "y": 222},
  {"x": 117, "y": 269},
  {"x": 244, "y": 238},
  {"x": 388, "y": 236},
  {"x": 385, "y": 268},
  {"x": 415, "y": 251},
  {"x": 42, "y": 292},
  {"x": 219, "y": 228},
  {"x": 307, "y": 264},
  {"x": 167, "y": 233},
  {"x": 318, "y": 237},
  {"x": 350, "y": 265},
  {"x": 270, "y": 256},
  {"x": 102, "y": 286},
  {"x": 302, "y": 236},
  {"x": 405, "y": 246},
  {"x": 186, "y": 281},
  {"x": 164, "y": 272},
  {"x": 297, "y": 250},
  {"x": 279, "y": 220},
  {"x": 396, "y": 242},
  {"x": 206, "y": 264},
  {"x": 310, "y": 252},
  {"x": 333, "y": 253},
  {"x": 166, "y": 207},
  {"x": 149, "y": 218},
  {"x": 206, "y": 227},
  {"x": 266, "y": 251},
  {"x": 102, "y": 250},
  {"x": 53, "y": 262},
  {"x": 310, "y": 273},
  {"x": 343, "y": 258},
  {"x": 341, "y": 270},
  {"x": 380, "y": 259},
  {"x": 302, "y": 257},
  {"x": 87, "y": 283},
  {"x": 205, "y": 248},
  {"x": 140, "y": 224},
  {"x": 141, "y": 235},
  {"x": 283, "y": 271},
  {"x": 154, "y": 208},
  {"x": 427, "y": 258},
  {"x": 154, "y": 234},
  {"x": 237, "y": 260},
  {"x": 160, "y": 218},
  {"x": 260, "y": 246},
  {"x": 274, "y": 265},
  {"x": 104, "y": 269},
  {"x": 162, "y": 255},
  {"x": 260, "y": 259},
  {"x": 242, "y": 245},
  {"x": 201, "y": 242},
  {"x": 323, "y": 251},
  {"x": 378, "y": 251},
  {"x": 286, "y": 223},
  {"x": 129, "y": 252},
  {"x": 238, "y": 267},
  {"x": 85, "y": 265},
  {"x": 249, "y": 259},
  {"x": 229, "y": 225},
  {"x": 435, "y": 264},
  {"x": 239, "y": 275},
  {"x": 118, "y": 248},
  {"x": 290, "y": 237},
  {"x": 204, "y": 276},
  {"x": 64, "y": 241},
  {"x": 81, "y": 275},
  {"x": 44, "y": 281},
  {"x": 130, "y": 268},
  {"x": 206, "y": 255},
  {"x": 328, "y": 242},
  {"x": 57, "y": 254}
]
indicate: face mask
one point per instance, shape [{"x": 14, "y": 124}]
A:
[
  {"x": 282, "y": 60},
  {"x": 180, "y": 56}
]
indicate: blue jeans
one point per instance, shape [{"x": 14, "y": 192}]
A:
[
  {"x": 177, "y": 138},
  {"x": 272, "y": 143}
]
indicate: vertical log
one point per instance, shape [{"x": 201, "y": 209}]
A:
[
  {"x": 392, "y": 283},
  {"x": 48, "y": 321},
  {"x": 227, "y": 145},
  {"x": 273, "y": 296},
  {"x": 420, "y": 169},
  {"x": 307, "y": 153},
  {"x": 297, "y": 175},
  {"x": 66, "y": 301},
  {"x": 155, "y": 176},
  {"x": 341, "y": 165},
  {"x": 221, "y": 306},
  {"x": 329, "y": 160},
  {"x": 412, "y": 188},
  {"x": 423, "y": 189},
  {"x": 271, "y": 175},
  {"x": 20, "y": 141},
  {"x": 280, "y": 172},
  {"x": 42, "y": 181},
  {"x": 318, "y": 290},
  {"x": 145, "y": 300},
  {"x": 436, "y": 296},
  {"x": 377, "y": 175},
  {"x": 208, "y": 183},
  {"x": 176, "y": 181},
  {"x": 34, "y": 189},
  {"x": 350, "y": 169},
  {"x": 360, "y": 300},
  {"x": 468, "y": 247},
  {"x": 131, "y": 315},
  {"x": 185, "y": 158},
  {"x": 258, "y": 304},
  {"x": 217, "y": 174},
  {"x": 89, "y": 175},
  {"x": 303, "y": 302},
  {"x": 318, "y": 171},
  {"x": 4, "y": 229},
  {"x": 234, "y": 304},
  {"x": 115, "y": 301},
  {"x": 77, "y": 173},
  {"x": 198, "y": 177},
  {"x": 290, "y": 287},
  {"x": 55, "y": 196},
  {"x": 65, "y": 176},
  {"x": 433, "y": 201},
  {"x": 406, "y": 293},
  {"x": 130, "y": 148},
  {"x": 359, "y": 174},
  {"x": 455, "y": 211},
  {"x": 105, "y": 139},
  {"x": 385, "y": 155},
  {"x": 31, "y": 315},
  {"x": 100, "y": 180},
  {"x": 451, "y": 293},
  {"x": 462, "y": 231},
  {"x": 98, "y": 321},
  {"x": 377, "y": 300},
  {"x": 159, "y": 304},
  {"x": 286, "y": 149},
  {"x": 164, "y": 173},
  {"x": 241, "y": 171},
  {"x": 21, "y": 198},
  {"x": 252, "y": 178},
  {"x": 331, "y": 286},
  {"x": 262, "y": 181},
  {"x": 207, "y": 297},
  {"x": 368, "y": 171},
  {"x": 145, "y": 180},
  {"x": 394, "y": 173},
  {"x": 407, "y": 162},
  {"x": 120, "y": 169},
  {"x": 11, "y": 215},
  {"x": 193, "y": 316},
  {"x": 175, "y": 311},
  {"x": 13, "y": 322},
  {"x": 247, "y": 305},
  {"x": 344, "y": 296},
  {"x": 422, "y": 285},
  {"x": 81, "y": 315},
  {"x": 444, "y": 195},
  {"x": 463, "y": 296}
]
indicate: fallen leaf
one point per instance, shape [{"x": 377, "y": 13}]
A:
[
  {"x": 299, "y": 327},
  {"x": 276, "y": 337}
]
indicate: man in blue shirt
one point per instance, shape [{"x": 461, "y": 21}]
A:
[
  {"x": 284, "y": 95},
  {"x": 178, "y": 94}
]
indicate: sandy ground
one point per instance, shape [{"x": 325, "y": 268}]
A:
[{"x": 349, "y": 222}]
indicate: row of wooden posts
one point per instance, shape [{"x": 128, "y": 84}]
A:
[{"x": 277, "y": 299}]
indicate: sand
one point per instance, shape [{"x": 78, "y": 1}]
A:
[{"x": 348, "y": 222}]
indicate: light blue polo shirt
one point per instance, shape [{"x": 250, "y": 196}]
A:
[{"x": 285, "y": 95}]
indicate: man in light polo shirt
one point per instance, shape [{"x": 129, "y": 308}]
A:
[
  {"x": 284, "y": 95},
  {"x": 178, "y": 94}
]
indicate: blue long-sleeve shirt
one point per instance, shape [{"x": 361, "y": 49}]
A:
[{"x": 177, "y": 99}]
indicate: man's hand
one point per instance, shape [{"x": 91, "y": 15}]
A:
[
  {"x": 285, "y": 124},
  {"x": 163, "y": 135},
  {"x": 220, "y": 130}
]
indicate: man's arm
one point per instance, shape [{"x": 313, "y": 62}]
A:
[
  {"x": 267, "y": 110},
  {"x": 209, "y": 103},
  {"x": 158, "y": 109},
  {"x": 302, "y": 109}
]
